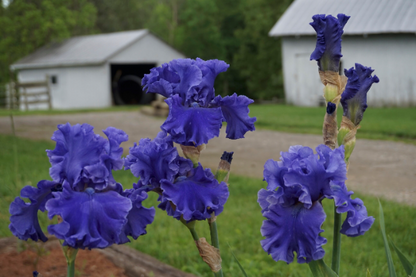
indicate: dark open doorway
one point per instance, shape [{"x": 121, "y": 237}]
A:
[{"x": 126, "y": 84}]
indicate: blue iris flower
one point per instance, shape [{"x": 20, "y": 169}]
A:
[
  {"x": 94, "y": 210},
  {"x": 184, "y": 192},
  {"x": 292, "y": 205},
  {"x": 328, "y": 44},
  {"x": 195, "y": 113},
  {"x": 354, "y": 97}
]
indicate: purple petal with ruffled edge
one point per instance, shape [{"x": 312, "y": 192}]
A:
[
  {"x": 235, "y": 111},
  {"x": 155, "y": 160},
  {"x": 76, "y": 147},
  {"x": 191, "y": 124},
  {"x": 160, "y": 80},
  {"x": 328, "y": 40},
  {"x": 197, "y": 195},
  {"x": 291, "y": 229},
  {"x": 24, "y": 222},
  {"x": 357, "y": 221},
  {"x": 312, "y": 175},
  {"x": 354, "y": 97},
  {"x": 90, "y": 219},
  {"x": 138, "y": 218}
]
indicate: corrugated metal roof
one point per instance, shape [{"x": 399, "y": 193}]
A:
[
  {"x": 83, "y": 50},
  {"x": 367, "y": 16}
]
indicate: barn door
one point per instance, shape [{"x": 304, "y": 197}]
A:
[{"x": 308, "y": 87}]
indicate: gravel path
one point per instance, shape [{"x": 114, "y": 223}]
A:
[{"x": 380, "y": 168}]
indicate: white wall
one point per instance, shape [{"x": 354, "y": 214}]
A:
[
  {"x": 76, "y": 87},
  {"x": 392, "y": 56},
  {"x": 148, "y": 49}
]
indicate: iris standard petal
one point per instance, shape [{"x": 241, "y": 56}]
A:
[
  {"x": 89, "y": 219},
  {"x": 114, "y": 151},
  {"x": 76, "y": 146},
  {"x": 138, "y": 217},
  {"x": 291, "y": 229},
  {"x": 196, "y": 196},
  {"x": 328, "y": 40},
  {"x": 24, "y": 222},
  {"x": 354, "y": 97},
  {"x": 193, "y": 124},
  {"x": 235, "y": 111}
]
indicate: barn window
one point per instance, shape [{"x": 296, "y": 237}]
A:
[{"x": 54, "y": 79}]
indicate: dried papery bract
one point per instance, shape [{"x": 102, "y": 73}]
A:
[{"x": 209, "y": 254}]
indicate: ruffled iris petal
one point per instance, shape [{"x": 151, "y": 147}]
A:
[
  {"x": 328, "y": 44},
  {"x": 191, "y": 124},
  {"x": 76, "y": 146},
  {"x": 138, "y": 218},
  {"x": 196, "y": 196},
  {"x": 357, "y": 221},
  {"x": 90, "y": 220},
  {"x": 354, "y": 97},
  {"x": 24, "y": 222},
  {"x": 291, "y": 229},
  {"x": 154, "y": 160},
  {"x": 235, "y": 111}
]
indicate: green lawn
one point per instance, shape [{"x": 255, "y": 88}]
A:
[
  {"x": 169, "y": 241},
  {"x": 397, "y": 124}
]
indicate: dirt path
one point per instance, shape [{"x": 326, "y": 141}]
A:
[{"x": 380, "y": 168}]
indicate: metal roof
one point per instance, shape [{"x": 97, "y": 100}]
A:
[
  {"x": 367, "y": 16},
  {"x": 83, "y": 50}
]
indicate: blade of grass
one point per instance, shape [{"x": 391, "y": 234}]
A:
[
  {"x": 408, "y": 267},
  {"x": 239, "y": 265},
  {"x": 392, "y": 271}
]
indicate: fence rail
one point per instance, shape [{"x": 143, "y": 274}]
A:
[{"x": 28, "y": 93}]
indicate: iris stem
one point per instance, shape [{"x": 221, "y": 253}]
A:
[
  {"x": 71, "y": 269},
  {"x": 194, "y": 234},
  {"x": 215, "y": 241},
  {"x": 336, "y": 247}
]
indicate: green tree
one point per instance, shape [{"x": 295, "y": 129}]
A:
[
  {"x": 28, "y": 25},
  {"x": 259, "y": 56}
]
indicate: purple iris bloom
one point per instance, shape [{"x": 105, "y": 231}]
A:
[
  {"x": 94, "y": 210},
  {"x": 328, "y": 40},
  {"x": 354, "y": 97},
  {"x": 195, "y": 113},
  {"x": 292, "y": 205},
  {"x": 184, "y": 191}
]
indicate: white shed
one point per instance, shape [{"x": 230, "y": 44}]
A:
[
  {"x": 96, "y": 71},
  {"x": 380, "y": 34}
]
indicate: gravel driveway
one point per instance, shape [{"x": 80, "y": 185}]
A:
[{"x": 380, "y": 168}]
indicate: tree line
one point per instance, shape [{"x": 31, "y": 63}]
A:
[{"x": 235, "y": 31}]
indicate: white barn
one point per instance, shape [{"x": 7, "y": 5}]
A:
[
  {"x": 380, "y": 34},
  {"x": 96, "y": 71}
]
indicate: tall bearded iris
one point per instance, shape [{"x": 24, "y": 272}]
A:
[
  {"x": 292, "y": 205},
  {"x": 94, "y": 210},
  {"x": 195, "y": 113},
  {"x": 354, "y": 98},
  {"x": 328, "y": 45},
  {"x": 184, "y": 192}
]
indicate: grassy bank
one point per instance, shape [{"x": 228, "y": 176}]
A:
[{"x": 24, "y": 162}]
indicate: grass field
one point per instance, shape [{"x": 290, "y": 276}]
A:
[
  {"x": 24, "y": 162},
  {"x": 397, "y": 124}
]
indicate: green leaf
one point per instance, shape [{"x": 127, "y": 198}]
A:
[
  {"x": 320, "y": 269},
  {"x": 392, "y": 271},
  {"x": 414, "y": 271},
  {"x": 368, "y": 273},
  {"x": 239, "y": 265},
  {"x": 408, "y": 267}
]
